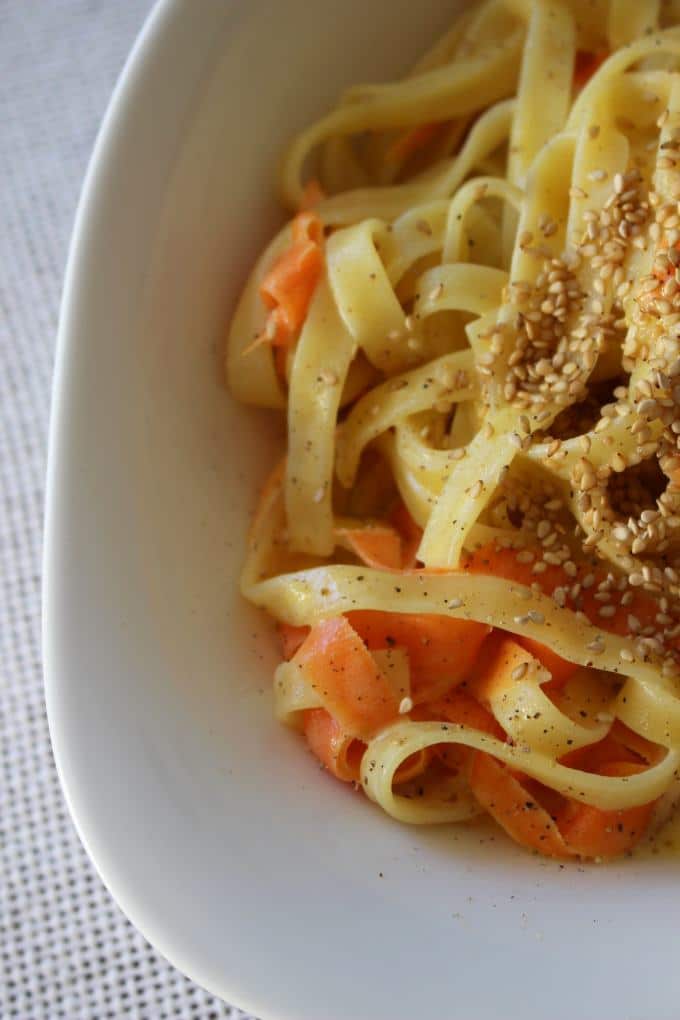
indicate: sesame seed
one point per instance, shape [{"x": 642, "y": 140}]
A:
[{"x": 519, "y": 671}]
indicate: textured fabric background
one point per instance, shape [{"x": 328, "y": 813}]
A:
[{"x": 66, "y": 951}]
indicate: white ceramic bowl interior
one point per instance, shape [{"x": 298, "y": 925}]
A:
[{"x": 250, "y": 869}]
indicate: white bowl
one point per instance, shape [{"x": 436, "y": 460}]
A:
[{"x": 251, "y": 870}]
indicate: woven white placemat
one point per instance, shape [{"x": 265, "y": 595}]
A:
[{"x": 66, "y": 951}]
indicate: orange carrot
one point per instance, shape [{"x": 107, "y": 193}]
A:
[
  {"x": 340, "y": 753},
  {"x": 502, "y": 794},
  {"x": 635, "y": 744},
  {"x": 499, "y": 562},
  {"x": 291, "y": 638},
  {"x": 410, "y": 533},
  {"x": 460, "y": 707},
  {"x": 496, "y": 678},
  {"x": 280, "y": 362},
  {"x": 288, "y": 287},
  {"x": 269, "y": 493},
  {"x": 560, "y": 669},
  {"x": 376, "y": 545},
  {"x": 591, "y": 832},
  {"x": 586, "y": 65},
  {"x": 343, "y": 672},
  {"x": 312, "y": 194},
  {"x": 594, "y": 757},
  {"x": 414, "y": 140},
  {"x": 441, "y": 650}
]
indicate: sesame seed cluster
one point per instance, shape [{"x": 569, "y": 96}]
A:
[{"x": 587, "y": 304}]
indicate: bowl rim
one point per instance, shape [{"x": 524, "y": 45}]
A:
[{"x": 148, "y": 44}]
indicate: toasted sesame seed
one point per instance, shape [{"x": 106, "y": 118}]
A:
[{"x": 519, "y": 671}]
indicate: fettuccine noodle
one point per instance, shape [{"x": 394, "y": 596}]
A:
[{"x": 472, "y": 321}]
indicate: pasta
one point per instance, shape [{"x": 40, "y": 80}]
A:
[{"x": 472, "y": 323}]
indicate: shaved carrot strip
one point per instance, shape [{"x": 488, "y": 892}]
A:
[
  {"x": 340, "y": 753},
  {"x": 560, "y": 669},
  {"x": 460, "y": 707},
  {"x": 591, "y": 832},
  {"x": 496, "y": 677},
  {"x": 288, "y": 287},
  {"x": 643, "y": 748},
  {"x": 268, "y": 494},
  {"x": 376, "y": 545},
  {"x": 343, "y": 672},
  {"x": 499, "y": 562},
  {"x": 441, "y": 650},
  {"x": 410, "y": 533},
  {"x": 586, "y": 65},
  {"x": 312, "y": 194},
  {"x": 280, "y": 362},
  {"x": 291, "y": 638},
  {"x": 414, "y": 140},
  {"x": 594, "y": 757},
  {"x": 505, "y": 798}
]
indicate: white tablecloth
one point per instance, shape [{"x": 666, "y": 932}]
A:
[{"x": 66, "y": 951}]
